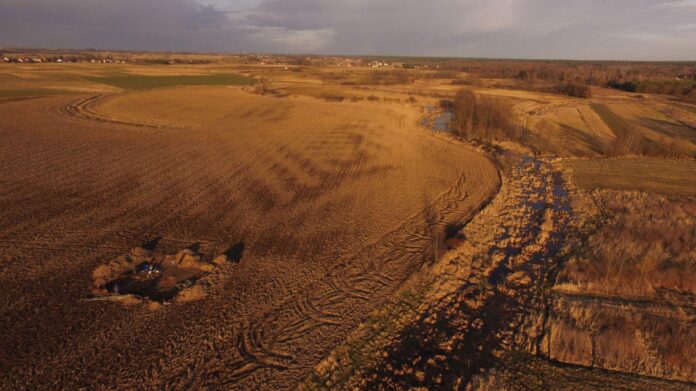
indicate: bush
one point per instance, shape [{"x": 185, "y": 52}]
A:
[
  {"x": 573, "y": 89},
  {"x": 447, "y": 104},
  {"x": 469, "y": 80},
  {"x": 331, "y": 97}
]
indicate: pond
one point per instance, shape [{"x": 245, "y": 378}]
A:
[{"x": 437, "y": 119}]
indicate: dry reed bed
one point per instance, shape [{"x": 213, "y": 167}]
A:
[{"x": 646, "y": 248}]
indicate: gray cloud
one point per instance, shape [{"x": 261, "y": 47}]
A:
[
  {"x": 129, "y": 24},
  {"x": 617, "y": 29}
]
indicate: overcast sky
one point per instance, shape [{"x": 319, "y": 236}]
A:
[{"x": 572, "y": 29}]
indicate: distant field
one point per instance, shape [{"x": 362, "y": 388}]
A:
[
  {"x": 26, "y": 92},
  {"x": 640, "y": 130},
  {"x": 647, "y": 174},
  {"x": 136, "y": 82}
]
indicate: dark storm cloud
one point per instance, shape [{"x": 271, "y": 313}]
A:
[
  {"x": 132, "y": 24},
  {"x": 123, "y": 14},
  {"x": 630, "y": 29}
]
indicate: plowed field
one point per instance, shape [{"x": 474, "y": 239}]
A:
[{"x": 321, "y": 210}]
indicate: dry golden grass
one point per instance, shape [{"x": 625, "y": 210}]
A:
[
  {"x": 646, "y": 248},
  {"x": 647, "y": 339},
  {"x": 610, "y": 124}
]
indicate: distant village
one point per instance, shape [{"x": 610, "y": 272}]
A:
[
  {"x": 38, "y": 60},
  {"x": 25, "y": 56}
]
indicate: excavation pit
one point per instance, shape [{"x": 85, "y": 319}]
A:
[{"x": 145, "y": 274}]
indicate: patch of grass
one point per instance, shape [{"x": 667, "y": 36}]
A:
[
  {"x": 618, "y": 125},
  {"x": 138, "y": 82},
  {"x": 646, "y": 174},
  {"x": 629, "y": 140}
]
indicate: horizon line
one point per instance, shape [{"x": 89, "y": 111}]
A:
[{"x": 248, "y": 52}]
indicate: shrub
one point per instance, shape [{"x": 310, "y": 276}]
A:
[
  {"x": 573, "y": 89},
  {"x": 469, "y": 80},
  {"x": 331, "y": 97}
]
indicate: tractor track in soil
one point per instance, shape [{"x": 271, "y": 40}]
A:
[
  {"x": 326, "y": 310},
  {"x": 86, "y": 109},
  {"x": 216, "y": 342}
]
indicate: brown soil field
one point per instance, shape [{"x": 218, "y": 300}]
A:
[
  {"x": 234, "y": 225},
  {"x": 137, "y": 193}
]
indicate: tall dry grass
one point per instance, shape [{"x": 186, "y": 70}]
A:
[
  {"x": 647, "y": 247},
  {"x": 651, "y": 340}
]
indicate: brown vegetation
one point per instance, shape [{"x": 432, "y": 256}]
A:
[
  {"x": 620, "y": 335},
  {"x": 646, "y": 248},
  {"x": 683, "y": 89},
  {"x": 332, "y": 97},
  {"x": 478, "y": 117},
  {"x": 388, "y": 77},
  {"x": 677, "y": 79},
  {"x": 573, "y": 89},
  {"x": 468, "y": 80}
]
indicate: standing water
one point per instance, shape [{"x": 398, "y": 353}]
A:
[{"x": 437, "y": 119}]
